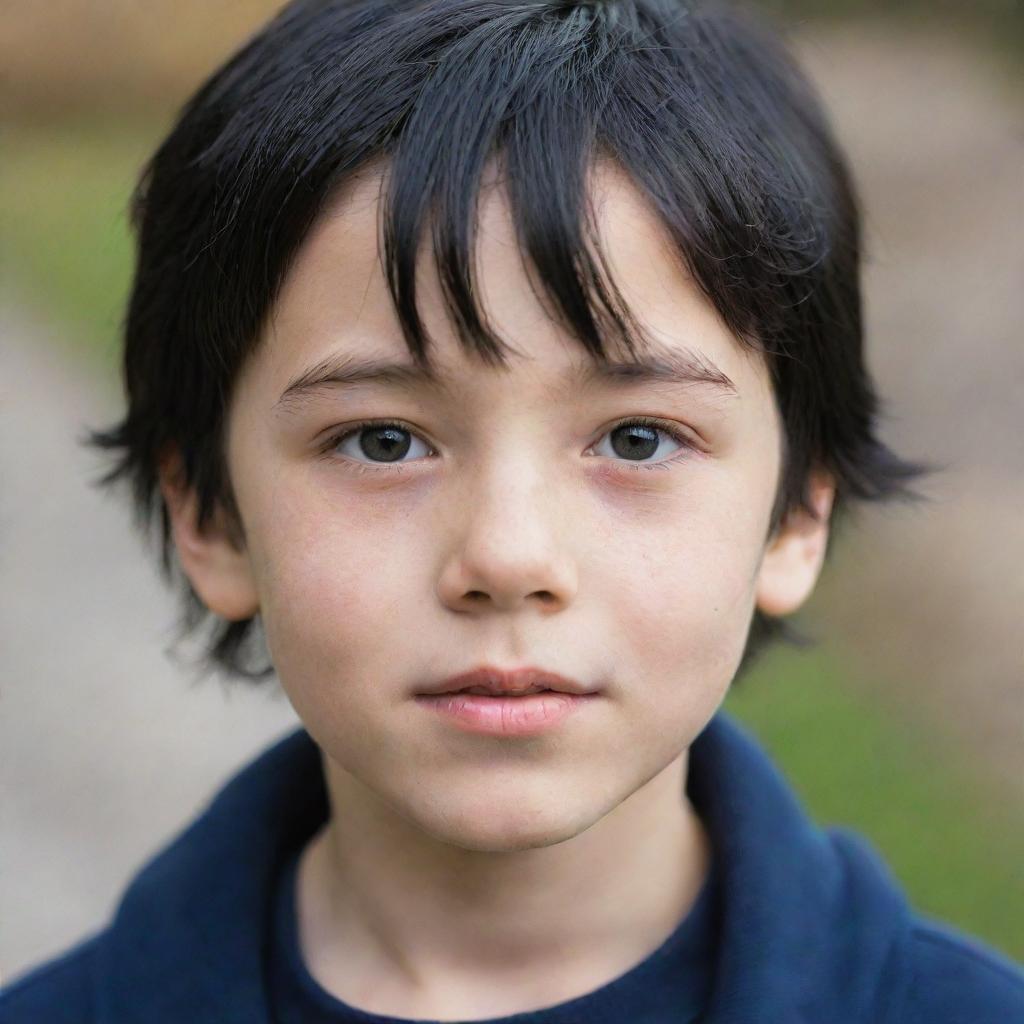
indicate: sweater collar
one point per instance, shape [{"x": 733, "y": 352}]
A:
[{"x": 813, "y": 926}]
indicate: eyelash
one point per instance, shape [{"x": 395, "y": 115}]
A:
[{"x": 688, "y": 446}]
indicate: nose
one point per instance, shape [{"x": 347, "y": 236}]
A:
[{"x": 509, "y": 545}]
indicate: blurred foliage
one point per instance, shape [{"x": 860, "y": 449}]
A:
[
  {"x": 998, "y": 15},
  {"x": 64, "y": 228},
  {"x": 79, "y": 56},
  {"x": 996, "y": 25},
  {"x": 958, "y": 853}
]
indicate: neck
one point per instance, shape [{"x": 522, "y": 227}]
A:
[{"x": 393, "y": 921}]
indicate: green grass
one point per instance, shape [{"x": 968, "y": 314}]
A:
[
  {"x": 953, "y": 844},
  {"x": 64, "y": 228}
]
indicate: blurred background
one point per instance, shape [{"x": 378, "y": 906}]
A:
[{"x": 906, "y": 721}]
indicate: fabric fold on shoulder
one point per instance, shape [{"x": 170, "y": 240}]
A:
[
  {"x": 814, "y": 927},
  {"x": 188, "y": 938}
]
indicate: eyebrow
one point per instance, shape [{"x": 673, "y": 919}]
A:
[{"x": 660, "y": 365}]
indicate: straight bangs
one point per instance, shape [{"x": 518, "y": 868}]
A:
[
  {"x": 526, "y": 96},
  {"x": 546, "y": 91}
]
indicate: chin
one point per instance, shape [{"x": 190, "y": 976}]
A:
[{"x": 508, "y": 830}]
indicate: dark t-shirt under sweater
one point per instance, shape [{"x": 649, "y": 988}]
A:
[{"x": 671, "y": 984}]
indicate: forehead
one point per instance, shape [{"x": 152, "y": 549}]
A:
[{"x": 335, "y": 310}]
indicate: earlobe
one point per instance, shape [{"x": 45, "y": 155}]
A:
[
  {"x": 215, "y": 562},
  {"x": 794, "y": 556}
]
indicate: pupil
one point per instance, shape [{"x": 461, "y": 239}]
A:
[
  {"x": 387, "y": 444},
  {"x": 642, "y": 441}
]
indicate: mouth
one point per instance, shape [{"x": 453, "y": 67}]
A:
[
  {"x": 490, "y": 681},
  {"x": 508, "y": 704}
]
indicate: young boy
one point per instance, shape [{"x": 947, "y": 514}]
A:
[{"x": 588, "y": 273}]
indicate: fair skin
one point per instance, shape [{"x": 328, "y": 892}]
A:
[{"x": 460, "y": 875}]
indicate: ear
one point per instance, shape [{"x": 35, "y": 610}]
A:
[
  {"x": 794, "y": 555},
  {"x": 214, "y": 559}
]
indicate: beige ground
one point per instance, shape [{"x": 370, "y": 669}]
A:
[
  {"x": 933, "y": 597},
  {"x": 104, "y": 750}
]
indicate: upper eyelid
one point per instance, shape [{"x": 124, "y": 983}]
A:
[
  {"x": 649, "y": 421},
  {"x": 675, "y": 431}
]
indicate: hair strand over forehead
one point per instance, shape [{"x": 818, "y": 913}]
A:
[{"x": 700, "y": 105}]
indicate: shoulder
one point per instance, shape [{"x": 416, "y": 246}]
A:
[
  {"x": 59, "y": 991},
  {"x": 957, "y": 979}
]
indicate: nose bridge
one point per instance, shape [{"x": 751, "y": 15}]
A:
[{"x": 511, "y": 531}]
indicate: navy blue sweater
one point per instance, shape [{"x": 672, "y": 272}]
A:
[{"x": 811, "y": 927}]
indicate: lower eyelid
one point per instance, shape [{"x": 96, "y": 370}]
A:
[{"x": 687, "y": 446}]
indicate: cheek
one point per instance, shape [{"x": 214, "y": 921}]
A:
[
  {"x": 331, "y": 577},
  {"x": 684, "y": 588}
]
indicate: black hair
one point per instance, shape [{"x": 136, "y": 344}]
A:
[{"x": 701, "y": 105}]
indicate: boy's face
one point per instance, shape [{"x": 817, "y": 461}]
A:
[{"x": 517, "y": 528}]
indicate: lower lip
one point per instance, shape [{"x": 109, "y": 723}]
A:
[{"x": 506, "y": 716}]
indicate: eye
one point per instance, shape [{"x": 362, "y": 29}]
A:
[
  {"x": 637, "y": 439},
  {"x": 384, "y": 444},
  {"x": 380, "y": 443}
]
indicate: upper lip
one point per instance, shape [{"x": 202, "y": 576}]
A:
[{"x": 508, "y": 681}]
